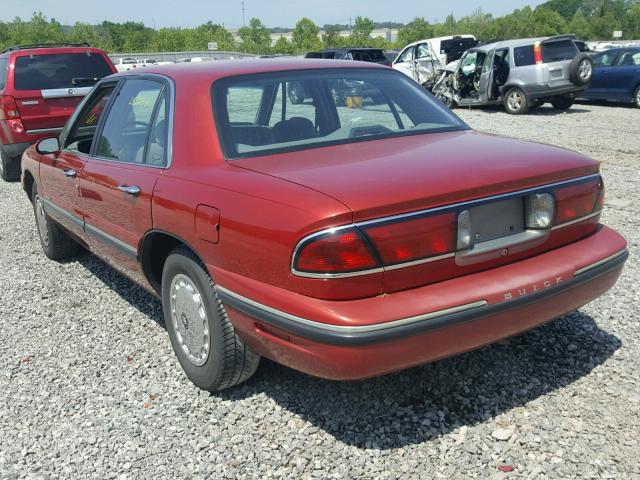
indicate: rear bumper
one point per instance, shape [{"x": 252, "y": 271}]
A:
[
  {"x": 364, "y": 338},
  {"x": 14, "y": 139},
  {"x": 537, "y": 91}
]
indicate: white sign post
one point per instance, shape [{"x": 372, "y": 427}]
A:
[
  {"x": 212, "y": 45},
  {"x": 617, "y": 34}
]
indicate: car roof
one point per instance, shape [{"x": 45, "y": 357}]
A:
[
  {"x": 518, "y": 42},
  {"x": 448, "y": 37},
  {"x": 347, "y": 49},
  {"x": 210, "y": 71}
]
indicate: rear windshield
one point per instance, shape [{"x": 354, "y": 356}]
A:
[
  {"x": 558, "y": 51},
  {"x": 368, "y": 55},
  {"x": 455, "y": 47},
  {"x": 68, "y": 70},
  {"x": 287, "y": 111}
]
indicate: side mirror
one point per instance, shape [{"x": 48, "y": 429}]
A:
[{"x": 48, "y": 146}]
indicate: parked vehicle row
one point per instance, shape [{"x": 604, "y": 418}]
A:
[
  {"x": 40, "y": 87},
  {"x": 343, "y": 239}
]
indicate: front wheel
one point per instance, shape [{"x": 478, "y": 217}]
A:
[
  {"x": 515, "y": 101},
  {"x": 208, "y": 348},
  {"x": 56, "y": 243},
  {"x": 636, "y": 97}
]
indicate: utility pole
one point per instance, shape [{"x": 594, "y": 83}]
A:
[{"x": 244, "y": 24}]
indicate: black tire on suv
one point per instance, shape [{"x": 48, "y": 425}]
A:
[
  {"x": 9, "y": 168},
  {"x": 581, "y": 70},
  {"x": 562, "y": 102},
  {"x": 515, "y": 101}
]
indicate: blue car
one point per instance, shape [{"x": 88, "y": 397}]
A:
[{"x": 616, "y": 76}]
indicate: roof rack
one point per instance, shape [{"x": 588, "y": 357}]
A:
[{"x": 44, "y": 45}]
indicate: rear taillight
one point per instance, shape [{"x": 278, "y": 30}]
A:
[
  {"x": 578, "y": 200},
  {"x": 414, "y": 239},
  {"x": 8, "y": 108},
  {"x": 341, "y": 251},
  {"x": 537, "y": 53}
]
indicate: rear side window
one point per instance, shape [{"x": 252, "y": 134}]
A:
[
  {"x": 558, "y": 51},
  {"x": 68, "y": 70},
  {"x": 3, "y": 72},
  {"x": 523, "y": 56},
  {"x": 629, "y": 59}
]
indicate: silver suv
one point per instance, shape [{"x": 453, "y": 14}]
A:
[{"x": 521, "y": 74}]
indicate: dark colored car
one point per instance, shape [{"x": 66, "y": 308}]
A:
[
  {"x": 40, "y": 87},
  {"x": 616, "y": 76},
  {"x": 373, "y": 55},
  {"x": 345, "y": 242}
]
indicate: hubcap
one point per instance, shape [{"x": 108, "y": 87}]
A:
[
  {"x": 189, "y": 319},
  {"x": 515, "y": 101},
  {"x": 638, "y": 97},
  {"x": 585, "y": 70},
  {"x": 41, "y": 221}
]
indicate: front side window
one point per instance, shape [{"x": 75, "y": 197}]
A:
[
  {"x": 423, "y": 51},
  {"x": 53, "y": 71},
  {"x": 81, "y": 133},
  {"x": 604, "y": 59},
  {"x": 127, "y": 127},
  {"x": 406, "y": 56},
  {"x": 328, "y": 107}
]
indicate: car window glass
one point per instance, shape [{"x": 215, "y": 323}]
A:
[
  {"x": 298, "y": 103},
  {"x": 68, "y": 70},
  {"x": 523, "y": 56},
  {"x": 83, "y": 130},
  {"x": 604, "y": 59},
  {"x": 157, "y": 144},
  {"x": 330, "y": 107},
  {"x": 246, "y": 101},
  {"x": 468, "y": 63},
  {"x": 628, "y": 59},
  {"x": 407, "y": 55},
  {"x": 423, "y": 51},
  {"x": 125, "y": 129},
  {"x": 3, "y": 72}
]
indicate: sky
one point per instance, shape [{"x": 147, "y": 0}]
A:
[{"x": 273, "y": 13}]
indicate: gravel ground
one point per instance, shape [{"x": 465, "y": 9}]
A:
[{"x": 90, "y": 388}]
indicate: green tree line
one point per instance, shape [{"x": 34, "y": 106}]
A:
[{"x": 588, "y": 19}]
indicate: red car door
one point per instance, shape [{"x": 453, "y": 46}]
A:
[
  {"x": 59, "y": 175},
  {"x": 117, "y": 182}
]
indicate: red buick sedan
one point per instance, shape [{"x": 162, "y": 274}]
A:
[{"x": 363, "y": 230}]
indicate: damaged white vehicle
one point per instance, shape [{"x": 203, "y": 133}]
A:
[
  {"x": 519, "y": 74},
  {"x": 423, "y": 60}
]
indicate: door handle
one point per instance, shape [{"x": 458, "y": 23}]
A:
[
  {"x": 70, "y": 172},
  {"x": 130, "y": 189}
]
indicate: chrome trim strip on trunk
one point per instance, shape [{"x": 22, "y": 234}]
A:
[
  {"x": 402, "y": 216},
  {"x": 44, "y": 130},
  {"x": 577, "y": 220},
  {"x": 65, "y": 92}
]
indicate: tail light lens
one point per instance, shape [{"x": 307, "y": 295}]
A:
[
  {"x": 414, "y": 239},
  {"x": 577, "y": 200},
  {"x": 342, "y": 251},
  {"x": 8, "y": 108},
  {"x": 540, "y": 210},
  {"x": 537, "y": 53}
]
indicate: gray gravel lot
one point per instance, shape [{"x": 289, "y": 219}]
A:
[{"x": 90, "y": 388}]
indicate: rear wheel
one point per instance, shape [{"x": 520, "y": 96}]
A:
[
  {"x": 9, "y": 167},
  {"x": 208, "y": 348},
  {"x": 515, "y": 101},
  {"x": 562, "y": 102},
  {"x": 636, "y": 97},
  {"x": 55, "y": 242}
]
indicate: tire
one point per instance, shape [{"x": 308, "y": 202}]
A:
[
  {"x": 581, "y": 70},
  {"x": 536, "y": 104},
  {"x": 636, "y": 97},
  {"x": 9, "y": 167},
  {"x": 223, "y": 360},
  {"x": 563, "y": 102},
  {"x": 515, "y": 101},
  {"x": 56, "y": 243}
]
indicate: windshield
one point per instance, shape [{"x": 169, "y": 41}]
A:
[
  {"x": 285, "y": 111},
  {"x": 68, "y": 70}
]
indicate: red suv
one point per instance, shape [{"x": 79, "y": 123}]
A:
[
  {"x": 40, "y": 87},
  {"x": 343, "y": 241}
]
